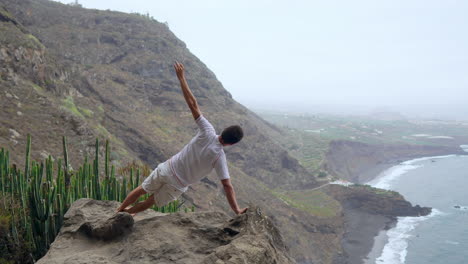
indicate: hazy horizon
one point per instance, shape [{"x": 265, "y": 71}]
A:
[
  {"x": 443, "y": 112},
  {"x": 407, "y": 57}
]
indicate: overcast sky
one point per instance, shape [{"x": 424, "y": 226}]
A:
[{"x": 389, "y": 54}]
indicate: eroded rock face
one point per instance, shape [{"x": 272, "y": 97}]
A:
[{"x": 94, "y": 233}]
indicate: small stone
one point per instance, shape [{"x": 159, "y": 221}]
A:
[
  {"x": 45, "y": 155},
  {"x": 19, "y": 113},
  {"x": 14, "y": 133},
  {"x": 9, "y": 95}
]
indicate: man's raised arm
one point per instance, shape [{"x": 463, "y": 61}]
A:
[{"x": 189, "y": 98}]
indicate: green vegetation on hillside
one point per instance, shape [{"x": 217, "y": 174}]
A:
[
  {"x": 309, "y": 135},
  {"x": 69, "y": 104},
  {"x": 369, "y": 130},
  {"x": 378, "y": 191},
  {"x": 315, "y": 202}
]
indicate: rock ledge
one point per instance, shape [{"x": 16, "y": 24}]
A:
[{"x": 93, "y": 233}]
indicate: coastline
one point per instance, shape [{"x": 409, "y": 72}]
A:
[
  {"x": 366, "y": 231},
  {"x": 359, "y": 162},
  {"x": 377, "y": 248},
  {"x": 382, "y": 237}
]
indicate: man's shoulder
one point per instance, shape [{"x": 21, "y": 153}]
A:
[
  {"x": 201, "y": 118},
  {"x": 204, "y": 125}
]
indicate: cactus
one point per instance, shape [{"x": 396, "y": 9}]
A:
[
  {"x": 131, "y": 178},
  {"x": 28, "y": 156},
  {"x": 137, "y": 180},
  {"x": 97, "y": 188},
  {"x": 45, "y": 197},
  {"x": 66, "y": 166}
]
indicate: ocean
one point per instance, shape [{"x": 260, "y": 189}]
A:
[{"x": 441, "y": 237}]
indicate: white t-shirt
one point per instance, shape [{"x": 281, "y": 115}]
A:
[{"x": 203, "y": 153}]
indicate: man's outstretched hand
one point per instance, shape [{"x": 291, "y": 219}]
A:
[{"x": 179, "y": 68}]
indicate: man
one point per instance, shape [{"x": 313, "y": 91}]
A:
[{"x": 203, "y": 153}]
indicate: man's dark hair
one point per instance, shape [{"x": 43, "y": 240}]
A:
[{"x": 232, "y": 134}]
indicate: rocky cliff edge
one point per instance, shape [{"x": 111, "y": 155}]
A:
[{"x": 93, "y": 233}]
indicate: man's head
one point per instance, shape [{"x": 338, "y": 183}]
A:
[{"x": 231, "y": 135}]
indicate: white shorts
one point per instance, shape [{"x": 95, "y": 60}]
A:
[{"x": 161, "y": 186}]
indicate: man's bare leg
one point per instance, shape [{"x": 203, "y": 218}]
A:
[
  {"x": 141, "y": 206},
  {"x": 131, "y": 198}
]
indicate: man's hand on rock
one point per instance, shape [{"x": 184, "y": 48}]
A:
[
  {"x": 241, "y": 211},
  {"x": 125, "y": 210}
]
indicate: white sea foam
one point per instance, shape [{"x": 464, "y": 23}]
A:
[
  {"x": 386, "y": 178},
  {"x": 441, "y": 137},
  {"x": 452, "y": 242},
  {"x": 421, "y": 135},
  {"x": 389, "y": 176},
  {"x": 394, "y": 252},
  {"x": 464, "y": 147},
  {"x": 409, "y": 162}
]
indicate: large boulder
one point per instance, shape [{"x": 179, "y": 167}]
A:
[{"x": 94, "y": 233}]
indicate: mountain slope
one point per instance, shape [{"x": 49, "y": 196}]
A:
[{"x": 117, "y": 70}]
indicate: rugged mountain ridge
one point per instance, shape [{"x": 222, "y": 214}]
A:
[{"x": 66, "y": 70}]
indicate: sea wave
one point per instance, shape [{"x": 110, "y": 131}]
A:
[
  {"x": 410, "y": 162},
  {"x": 385, "y": 179},
  {"x": 389, "y": 176},
  {"x": 464, "y": 147},
  {"x": 450, "y": 242},
  {"x": 395, "y": 251}
]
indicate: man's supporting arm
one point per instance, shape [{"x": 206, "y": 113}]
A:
[
  {"x": 189, "y": 98},
  {"x": 231, "y": 196},
  {"x": 131, "y": 198},
  {"x": 141, "y": 206}
]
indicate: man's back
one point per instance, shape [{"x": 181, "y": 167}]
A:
[{"x": 203, "y": 153}]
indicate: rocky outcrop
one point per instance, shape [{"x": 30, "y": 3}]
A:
[
  {"x": 375, "y": 201},
  {"x": 359, "y": 162},
  {"x": 93, "y": 233}
]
